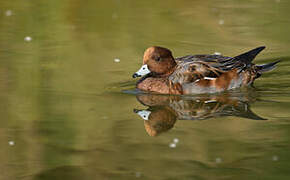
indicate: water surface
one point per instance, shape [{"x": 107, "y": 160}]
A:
[{"x": 67, "y": 105}]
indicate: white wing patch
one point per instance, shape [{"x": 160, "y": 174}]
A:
[{"x": 209, "y": 78}]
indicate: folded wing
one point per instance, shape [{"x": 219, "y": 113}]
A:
[{"x": 193, "y": 68}]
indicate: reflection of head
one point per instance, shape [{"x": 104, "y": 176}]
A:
[{"x": 160, "y": 120}]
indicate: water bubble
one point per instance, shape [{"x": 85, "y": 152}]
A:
[
  {"x": 115, "y": 16},
  {"x": 275, "y": 158},
  {"x": 175, "y": 140},
  {"x": 27, "y": 38},
  {"x": 11, "y": 143},
  {"x": 218, "y": 160},
  {"x": 117, "y": 60},
  {"x": 172, "y": 145},
  {"x": 8, "y": 13},
  {"x": 72, "y": 27},
  {"x": 221, "y": 22},
  {"x": 138, "y": 174},
  {"x": 214, "y": 9}
]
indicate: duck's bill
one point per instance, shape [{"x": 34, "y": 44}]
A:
[
  {"x": 144, "y": 114},
  {"x": 142, "y": 71}
]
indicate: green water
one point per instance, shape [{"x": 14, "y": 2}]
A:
[{"x": 66, "y": 105}]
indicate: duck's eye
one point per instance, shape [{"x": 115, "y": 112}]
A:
[
  {"x": 158, "y": 58},
  {"x": 143, "y": 68}
]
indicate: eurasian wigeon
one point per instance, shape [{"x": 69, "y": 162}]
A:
[{"x": 162, "y": 73}]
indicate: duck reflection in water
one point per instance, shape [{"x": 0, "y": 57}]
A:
[{"x": 163, "y": 111}]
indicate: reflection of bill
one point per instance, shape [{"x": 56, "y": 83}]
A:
[{"x": 164, "y": 110}]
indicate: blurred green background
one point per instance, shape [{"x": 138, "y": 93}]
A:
[{"x": 63, "y": 113}]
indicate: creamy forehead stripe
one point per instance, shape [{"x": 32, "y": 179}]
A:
[{"x": 143, "y": 70}]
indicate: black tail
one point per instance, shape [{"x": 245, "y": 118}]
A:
[
  {"x": 266, "y": 67},
  {"x": 248, "y": 57}
]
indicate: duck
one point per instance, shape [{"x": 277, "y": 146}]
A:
[{"x": 197, "y": 74}]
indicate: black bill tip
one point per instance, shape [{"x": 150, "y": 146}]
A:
[
  {"x": 136, "y": 110},
  {"x": 135, "y": 75}
]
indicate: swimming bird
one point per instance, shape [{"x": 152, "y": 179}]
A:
[{"x": 195, "y": 74}]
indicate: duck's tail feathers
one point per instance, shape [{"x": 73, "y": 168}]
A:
[
  {"x": 266, "y": 67},
  {"x": 248, "y": 57}
]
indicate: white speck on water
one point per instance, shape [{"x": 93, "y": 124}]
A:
[
  {"x": 221, "y": 22},
  {"x": 27, "y": 38},
  {"x": 117, "y": 60},
  {"x": 72, "y": 27},
  {"x": 172, "y": 145},
  {"x": 115, "y": 16},
  {"x": 138, "y": 174},
  {"x": 8, "y": 13},
  {"x": 214, "y": 9},
  {"x": 275, "y": 158},
  {"x": 218, "y": 160},
  {"x": 217, "y": 53},
  {"x": 175, "y": 140},
  {"x": 11, "y": 143}
]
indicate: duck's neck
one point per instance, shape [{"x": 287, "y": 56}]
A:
[{"x": 171, "y": 70}]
